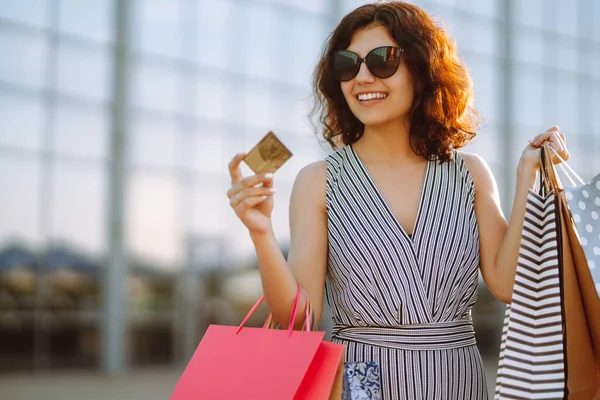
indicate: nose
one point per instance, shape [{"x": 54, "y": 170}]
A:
[{"x": 364, "y": 75}]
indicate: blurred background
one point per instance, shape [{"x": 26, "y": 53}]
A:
[{"x": 118, "y": 119}]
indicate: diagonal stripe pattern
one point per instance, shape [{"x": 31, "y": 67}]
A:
[{"x": 531, "y": 364}]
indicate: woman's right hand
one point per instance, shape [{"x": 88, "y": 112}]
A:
[{"x": 251, "y": 197}]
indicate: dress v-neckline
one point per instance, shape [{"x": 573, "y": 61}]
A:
[{"x": 412, "y": 235}]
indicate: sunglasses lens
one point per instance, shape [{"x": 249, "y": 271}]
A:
[
  {"x": 383, "y": 62},
  {"x": 345, "y": 65}
]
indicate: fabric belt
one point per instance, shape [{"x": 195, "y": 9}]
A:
[{"x": 434, "y": 336}]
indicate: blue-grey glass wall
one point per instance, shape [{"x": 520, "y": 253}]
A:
[{"x": 118, "y": 119}]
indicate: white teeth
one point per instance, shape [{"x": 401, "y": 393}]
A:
[{"x": 370, "y": 96}]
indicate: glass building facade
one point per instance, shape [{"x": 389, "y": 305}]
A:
[{"x": 118, "y": 119}]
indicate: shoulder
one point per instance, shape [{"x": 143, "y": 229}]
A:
[
  {"x": 312, "y": 172},
  {"x": 474, "y": 162},
  {"x": 310, "y": 183},
  {"x": 478, "y": 168}
]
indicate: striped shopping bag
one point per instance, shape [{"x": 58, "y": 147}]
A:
[{"x": 532, "y": 358}]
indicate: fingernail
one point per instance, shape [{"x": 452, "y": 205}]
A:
[
  {"x": 269, "y": 175},
  {"x": 263, "y": 197},
  {"x": 272, "y": 190}
]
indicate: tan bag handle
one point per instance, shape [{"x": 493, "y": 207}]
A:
[
  {"x": 566, "y": 168},
  {"x": 548, "y": 177}
]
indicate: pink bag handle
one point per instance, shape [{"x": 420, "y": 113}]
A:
[{"x": 293, "y": 316}]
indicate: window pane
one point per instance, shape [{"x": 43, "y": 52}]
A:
[
  {"x": 528, "y": 45},
  {"x": 21, "y": 120},
  {"x": 187, "y": 93},
  {"x": 564, "y": 16},
  {"x": 155, "y": 87},
  {"x": 82, "y": 131},
  {"x": 154, "y": 218},
  {"x": 263, "y": 44},
  {"x": 586, "y": 65},
  {"x": 214, "y": 147},
  {"x": 490, "y": 8},
  {"x": 84, "y": 72},
  {"x": 487, "y": 144},
  {"x": 479, "y": 37},
  {"x": 299, "y": 121},
  {"x": 308, "y": 37},
  {"x": 157, "y": 30},
  {"x": 23, "y": 58},
  {"x": 210, "y": 207},
  {"x": 315, "y": 6},
  {"x": 306, "y": 149},
  {"x": 20, "y": 199},
  {"x": 595, "y": 68},
  {"x": 218, "y": 98},
  {"x": 445, "y": 2},
  {"x": 91, "y": 18},
  {"x": 563, "y": 53},
  {"x": 566, "y": 94},
  {"x": 595, "y": 117},
  {"x": 527, "y": 104},
  {"x": 218, "y": 44},
  {"x": 155, "y": 142},
  {"x": 291, "y": 112},
  {"x": 31, "y": 12},
  {"x": 260, "y": 107},
  {"x": 486, "y": 75},
  {"x": 78, "y": 214},
  {"x": 595, "y": 10},
  {"x": 530, "y": 12}
]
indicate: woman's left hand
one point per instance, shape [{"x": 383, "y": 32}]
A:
[{"x": 531, "y": 154}]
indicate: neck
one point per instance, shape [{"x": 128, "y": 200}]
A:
[{"x": 386, "y": 144}]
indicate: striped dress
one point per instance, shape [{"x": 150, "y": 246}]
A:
[{"x": 404, "y": 302}]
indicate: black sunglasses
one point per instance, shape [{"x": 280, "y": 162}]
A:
[{"x": 382, "y": 62}]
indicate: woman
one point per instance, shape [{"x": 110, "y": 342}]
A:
[{"x": 396, "y": 219}]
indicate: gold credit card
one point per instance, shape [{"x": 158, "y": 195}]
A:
[{"x": 268, "y": 155}]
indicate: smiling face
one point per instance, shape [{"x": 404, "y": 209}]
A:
[{"x": 375, "y": 101}]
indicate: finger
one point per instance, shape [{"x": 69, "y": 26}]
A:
[
  {"x": 234, "y": 168},
  {"x": 542, "y": 137},
  {"x": 269, "y": 181},
  {"x": 254, "y": 180},
  {"x": 539, "y": 139},
  {"x": 247, "y": 193},
  {"x": 235, "y": 189},
  {"x": 248, "y": 203},
  {"x": 556, "y": 140},
  {"x": 561, "y": 143},
  {"x": 557, "y": 144},
  {"x": 563, "y": 139},
  {"x": 235, "y": 198}
]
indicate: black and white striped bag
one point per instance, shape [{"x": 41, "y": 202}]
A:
[{"x": 532, "y": 359}]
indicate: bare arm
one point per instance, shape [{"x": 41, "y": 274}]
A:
[
  {"x": 500, "y": 241},
  {"x": 307, "y": 257}
]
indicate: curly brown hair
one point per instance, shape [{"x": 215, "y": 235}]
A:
[{"x": 442, "y": 114}]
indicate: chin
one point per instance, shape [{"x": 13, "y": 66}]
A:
[
  {"x": 380, "y": 116},
  {"x": 375, "y": 119}
]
